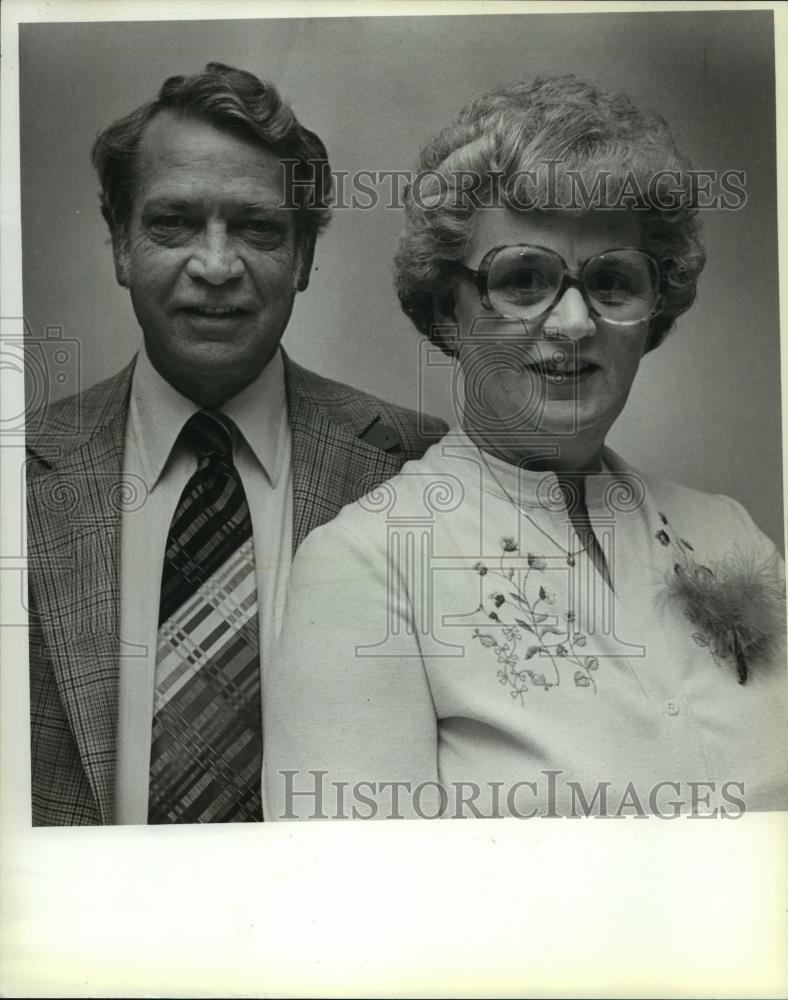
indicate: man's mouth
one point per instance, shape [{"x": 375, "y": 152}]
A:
[{"x": 214, "y": 312}]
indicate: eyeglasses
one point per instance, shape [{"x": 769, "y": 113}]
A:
[{"x": 621, "y": 286}]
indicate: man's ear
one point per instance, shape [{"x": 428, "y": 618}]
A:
[
  {"x": 303, "y": 264},
  {"x": 120, "y": 252}
]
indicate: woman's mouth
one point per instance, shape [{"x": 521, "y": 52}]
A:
[{"x": 568, "y": 371}]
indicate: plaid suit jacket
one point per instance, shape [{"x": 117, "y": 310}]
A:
[{"x": 344, "y": 442}]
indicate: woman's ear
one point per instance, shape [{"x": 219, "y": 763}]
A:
[
  {"x": 446, "y": 327},
  {"x": 443, "y": 306}
]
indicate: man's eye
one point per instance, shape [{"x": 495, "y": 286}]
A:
[
  {"x": 170, "y": 222},
  {"x": 262, "y": 229}
]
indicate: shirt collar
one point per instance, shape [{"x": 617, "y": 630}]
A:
[
  {"x": 159, "y": 412},
  {"x": 537, "y": 489}
]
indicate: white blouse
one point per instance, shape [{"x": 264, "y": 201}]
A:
[{"x": 450, "y": 647}]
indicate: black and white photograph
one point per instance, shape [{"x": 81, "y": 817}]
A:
[{"x": 393, "y": 431}]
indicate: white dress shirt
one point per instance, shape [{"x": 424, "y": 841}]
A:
[{"x": 156, "y": 468}]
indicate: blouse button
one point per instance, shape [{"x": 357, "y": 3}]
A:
[{"x": 672, "y": 707}]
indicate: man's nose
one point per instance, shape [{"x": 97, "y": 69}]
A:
[
  {"x": 570, "y": 317},
  {"x": 215, "y": 258}
]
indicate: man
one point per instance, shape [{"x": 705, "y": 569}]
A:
[{"x": 160, "y": 531}]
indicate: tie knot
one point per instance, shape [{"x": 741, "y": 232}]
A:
[{"x": 210, "y": 434}]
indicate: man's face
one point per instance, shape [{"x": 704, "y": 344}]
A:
[{"x": 210, "y": 259}]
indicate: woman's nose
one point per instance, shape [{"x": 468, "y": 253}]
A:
[
  {"x": 570, "y": 317},
  {"x": 215, "y": 259}
]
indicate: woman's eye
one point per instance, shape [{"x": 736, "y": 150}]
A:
[
  {"x": 610, "y": 283},
  {"x": 523, "y": 282},
  {"x": 524, "y": 278}
]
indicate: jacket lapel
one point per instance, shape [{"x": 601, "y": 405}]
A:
[
  {"x": 74, "y": 519},
  {"x": 331, "y": 465}
]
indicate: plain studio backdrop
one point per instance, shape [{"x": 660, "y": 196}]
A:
[{"x": 705, "y": 407}]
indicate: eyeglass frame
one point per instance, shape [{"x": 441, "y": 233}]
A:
[{"x": 570, "y": 280}]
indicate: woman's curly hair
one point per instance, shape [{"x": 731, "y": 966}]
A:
[{"x": 531, "y": 141}]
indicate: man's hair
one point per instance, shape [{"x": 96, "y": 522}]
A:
[
  {"x": 237, "y": 101},
  {"x": 528, "y": 141}
]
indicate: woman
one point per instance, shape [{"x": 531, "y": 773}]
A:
[{"x": 520, "y": 623}]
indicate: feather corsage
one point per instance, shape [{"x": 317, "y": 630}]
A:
[{"x": 737, "y": 605}]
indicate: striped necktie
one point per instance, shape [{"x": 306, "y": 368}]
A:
[{"x": 206, "y": 751}]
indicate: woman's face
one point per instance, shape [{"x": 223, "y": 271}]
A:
[{"x": 566, "y": 378}]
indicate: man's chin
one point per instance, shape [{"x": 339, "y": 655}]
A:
[{"x": 209, "y": 375}]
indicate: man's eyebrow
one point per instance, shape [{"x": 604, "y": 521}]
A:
[
  {"x": 167, "y": 201},
  {"x": 271, "y": 207},
  {"x": 176, "y": 202}
]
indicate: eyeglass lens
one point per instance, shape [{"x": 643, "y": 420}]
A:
[{"x": 622, "y": 286}]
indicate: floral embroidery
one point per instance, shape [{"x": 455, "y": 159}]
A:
[{"x": 529, "y": 631}]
